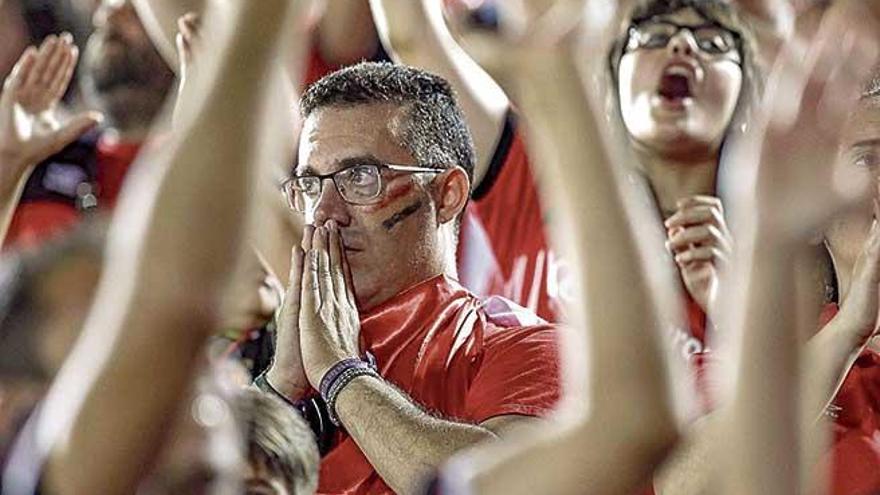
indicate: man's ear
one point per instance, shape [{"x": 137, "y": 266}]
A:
[{"x": 452, "y": 190}]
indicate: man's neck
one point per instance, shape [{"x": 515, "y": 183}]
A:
[{"x": 675, "y": 178}]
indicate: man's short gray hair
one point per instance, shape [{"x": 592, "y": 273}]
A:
[{"x": 435, "y": 131}]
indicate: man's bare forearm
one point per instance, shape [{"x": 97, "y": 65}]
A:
[
  {"x": 177, "y": 230},
  {"x": 403, "y": 443}
]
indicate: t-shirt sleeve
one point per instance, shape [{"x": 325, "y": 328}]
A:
[{"x": 519, "y": 374}]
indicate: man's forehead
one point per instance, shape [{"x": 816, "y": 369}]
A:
[
  {"x": 864, "y": 124},
  {"x": 333, "y": 134}
]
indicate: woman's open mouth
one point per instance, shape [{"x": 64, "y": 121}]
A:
[{"x": 676, "y": 84}]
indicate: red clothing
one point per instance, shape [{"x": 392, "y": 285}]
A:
[
  {"x": 455, "y": 355},
  {"x": 38, "y": 220},
  {"x": 504, "y": 247},
  {"x": 855, "y": 449}
]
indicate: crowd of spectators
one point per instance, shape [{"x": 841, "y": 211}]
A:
[{"x": 440, "y": 247}]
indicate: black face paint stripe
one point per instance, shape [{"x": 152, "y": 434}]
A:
[{"x": 401, "y": 215}]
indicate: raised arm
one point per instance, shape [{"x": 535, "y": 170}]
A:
[
  {"x": 616, "y": 351},
  {"x": 160, "y": 20},
  {"x": 345, "y": 33},
  {"x": 29, "y": 129},
  {"x": 176, "y": 232},
  {"x": 415, "y": 33},
  {"x": 787, "y": 192}
]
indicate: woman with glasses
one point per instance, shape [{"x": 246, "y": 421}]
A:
[{"x": 682, "y": 75}]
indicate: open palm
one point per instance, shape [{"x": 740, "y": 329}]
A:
[{"x": 29, "y": 129}]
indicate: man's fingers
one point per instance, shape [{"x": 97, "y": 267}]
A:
[
  {"x": 308, "y": 233},
  {"x": 294, "y": 285},
  {"x": 337, "y": 270},
  {"x": 23, "y": 68},
  {"x": 57, "y": 60},
  {"x": 44, "y": 55},
  {"x": 310, "y": 300},
  {"x": 63, "y": 78},
  {"x": 320, "y": 244}
]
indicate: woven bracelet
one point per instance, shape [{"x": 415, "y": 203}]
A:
[
  {"x": 337, "y": 369},
  {"x": 341, "y": 381}
]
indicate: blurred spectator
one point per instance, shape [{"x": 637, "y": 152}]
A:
[{"x": 123, "y": 76}]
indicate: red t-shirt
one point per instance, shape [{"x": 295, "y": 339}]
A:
[
  {"x": 455, "y": 355},
  {"x": 855, "y": 448},
  {"x": 36, "y": 221},
  {"x": 504, "y": 248}
]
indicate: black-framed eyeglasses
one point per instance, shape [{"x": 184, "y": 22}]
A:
[
  {"x": 358, "y": 184},
  {"x": 712, "y": 39}
]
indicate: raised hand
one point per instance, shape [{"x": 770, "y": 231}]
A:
[
  {"x": 188, "y": 25},
  {"x": 287, "y": 373},
  {"x": 29, "y": 129},
  {"x": 858, "y": 316},
  {"x": 787, "y": 178},
  {"x": 328, "y": 319},
  {"x": 701, "y": 244}
]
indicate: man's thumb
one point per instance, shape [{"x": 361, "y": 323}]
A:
[{"x": 71, "y": 130}]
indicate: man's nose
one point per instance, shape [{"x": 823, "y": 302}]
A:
[{"x": 330, "y": 205}]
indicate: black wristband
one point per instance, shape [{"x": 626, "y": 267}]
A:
[{"x": 313, "y": 410}]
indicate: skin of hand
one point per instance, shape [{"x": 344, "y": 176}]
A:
[
  {"x": 287, "y": 374},
  {"x": 698, "y": 238},
  {"x": 860, "y": 306},
  {"x": 328, "y": 318},
  {"x": 188, "y": 25},
  {"x": 797, "y": 131},
  {"x": 29, "y": 130},
  {"x": 187, "y": 39}
]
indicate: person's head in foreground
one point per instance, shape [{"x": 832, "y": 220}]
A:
[
  {"x": 281, "y": 451},
  {"x": 385, "y": 153},
  {"x": 203, "y": 452},
  {"x": 683, "y": 69},
  {"x": 45, "y": 295}
]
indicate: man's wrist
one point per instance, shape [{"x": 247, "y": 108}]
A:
[
  {"x": 290, "y": 388},
  {"x": 340, "y": 375}
]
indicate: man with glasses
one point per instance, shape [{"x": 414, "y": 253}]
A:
[{"x": 374, "y": 328}]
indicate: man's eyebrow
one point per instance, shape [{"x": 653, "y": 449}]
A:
[
  {"x": 866, "y": 143},
  {"x": 358, "y": 160},
  {"x": 341, "y": 164}
]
